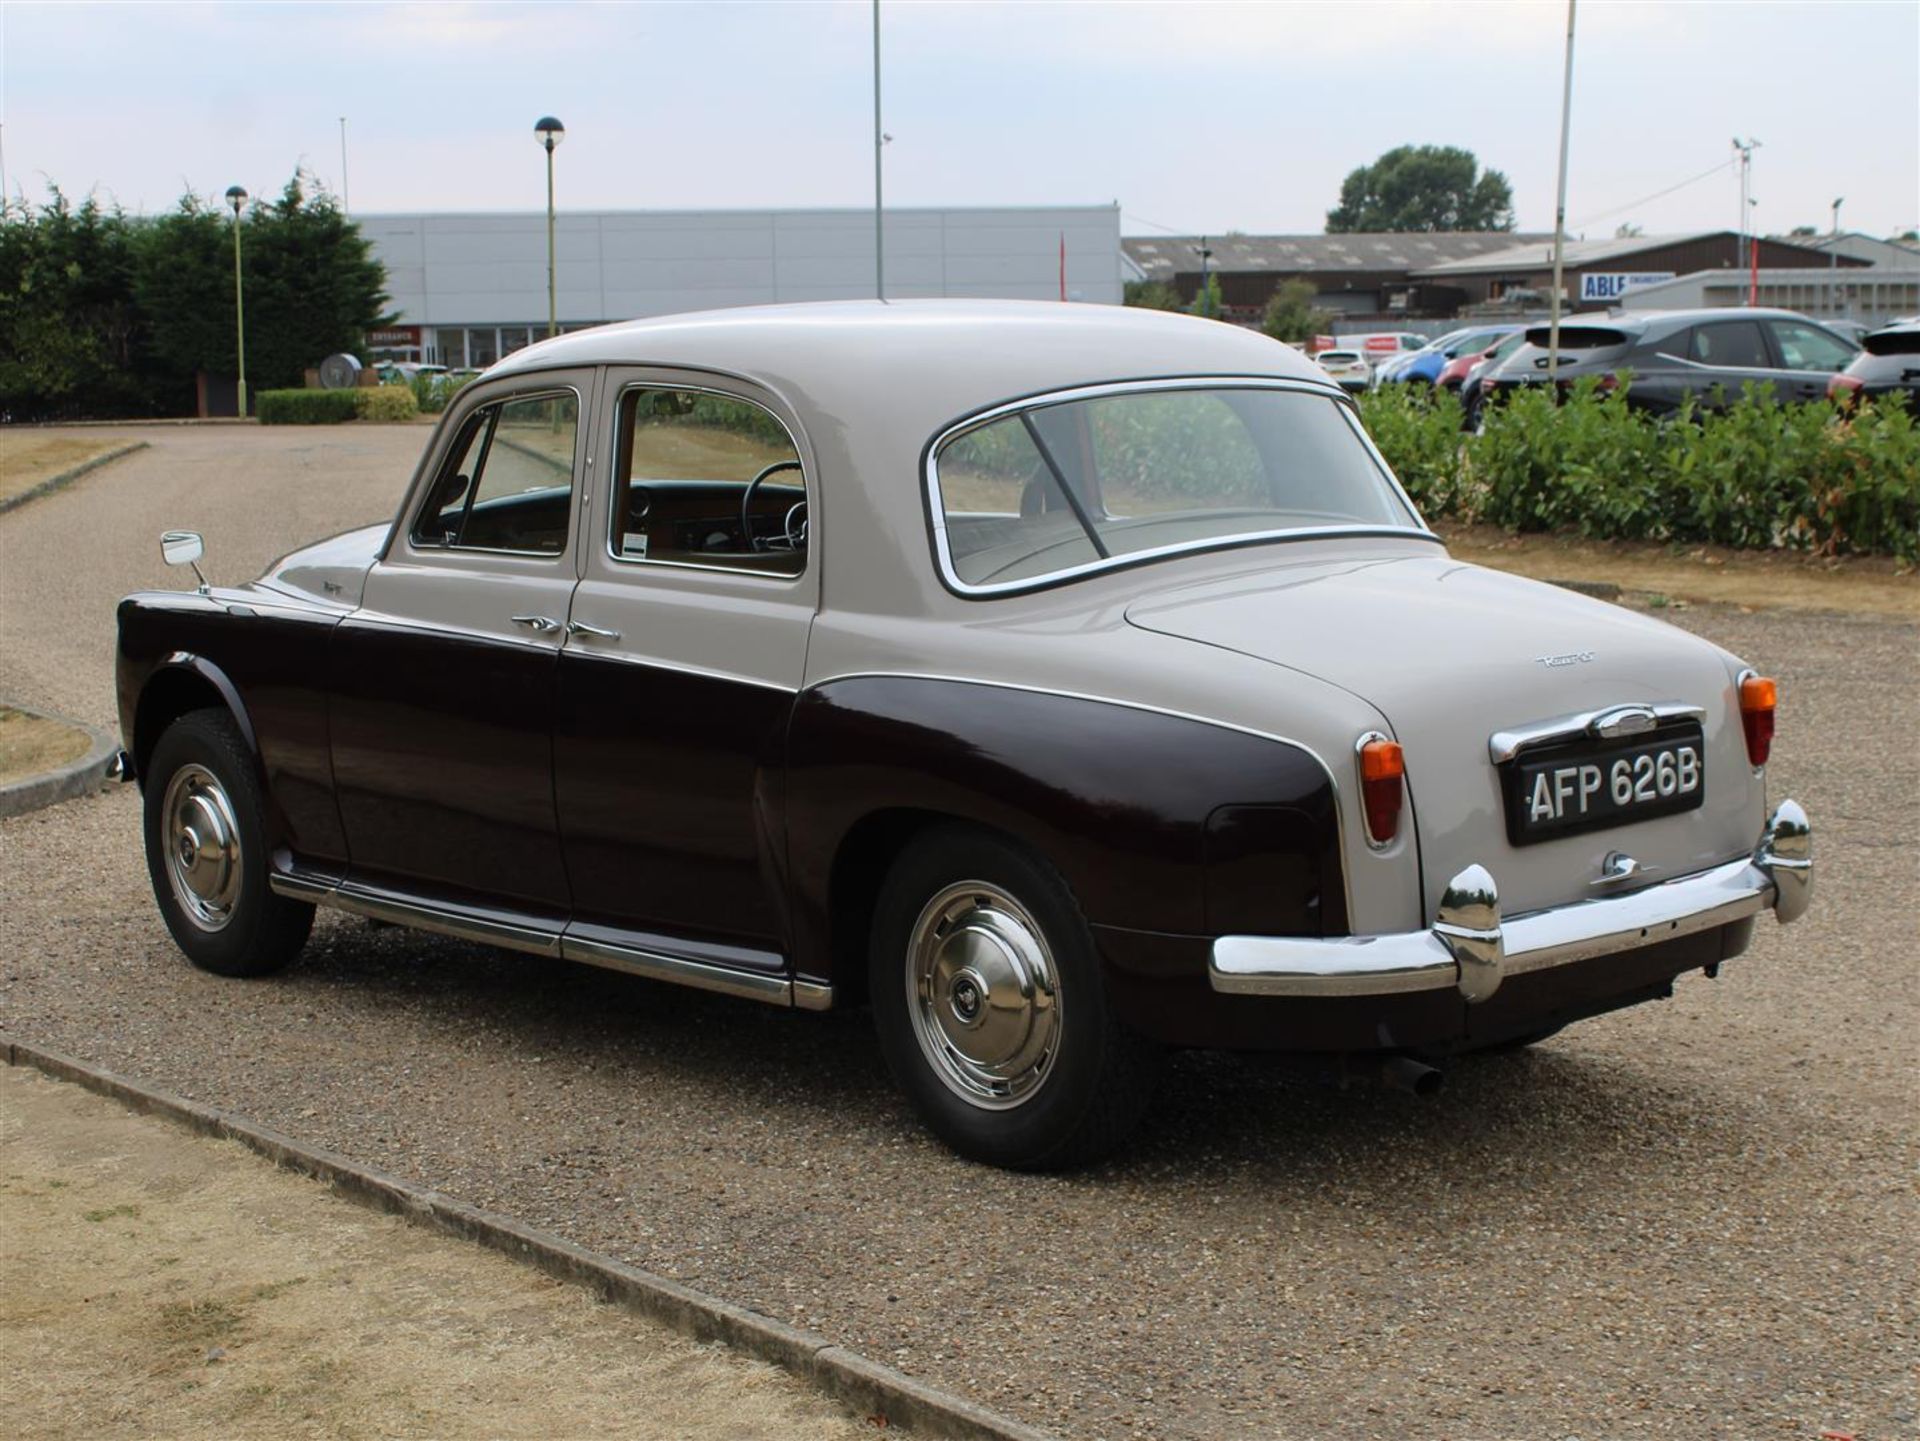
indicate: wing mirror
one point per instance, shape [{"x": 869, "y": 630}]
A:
[{"x": 184, "y": 547}]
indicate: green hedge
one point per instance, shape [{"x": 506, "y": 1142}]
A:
[
  {"x": 306, "y": 407},
  {"x": 1757, "y": 475}
]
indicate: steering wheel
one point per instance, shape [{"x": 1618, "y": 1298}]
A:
[{"x": 746, "y": 502}]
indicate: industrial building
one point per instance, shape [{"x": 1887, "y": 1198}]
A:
[{"x": 470, "y": 288}]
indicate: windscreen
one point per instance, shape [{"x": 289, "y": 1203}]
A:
[{"x": 1086, "y": 483}]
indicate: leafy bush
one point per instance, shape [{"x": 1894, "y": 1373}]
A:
[
  {"x": 306, "y": 407},
  {"x": 433, "y": 389},
  {"x": 385, "y": 402},
  {"x": 1759, "y": 474}
]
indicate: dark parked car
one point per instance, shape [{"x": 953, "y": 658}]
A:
[
  {"x": 1472, "y": 382},
  {"x": 1705, "y": 355},
  {"x": 1888, "y": 367}
]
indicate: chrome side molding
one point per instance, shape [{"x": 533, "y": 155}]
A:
[
  {"x": 1472, "y": 948},
  {"x": 652, "y": 962}
]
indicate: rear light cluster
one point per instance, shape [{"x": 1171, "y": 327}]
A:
[
  {"x": 1383, "y": 770},
  {"x": 1757, "y": 697}
]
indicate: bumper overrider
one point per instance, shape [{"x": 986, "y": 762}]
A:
[{"x": 1471, "y": 947}]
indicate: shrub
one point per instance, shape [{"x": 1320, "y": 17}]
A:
[
  {"x": 385, "y": 402},
  {"x": 1759, "y": 474},
  {"x": 433, "y": 389},
  {"x": 306, "y": 407}
]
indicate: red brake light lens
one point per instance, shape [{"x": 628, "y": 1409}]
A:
[
  {"x": 1383, "y": 772},
  {"x": 1757, "y": 698}
]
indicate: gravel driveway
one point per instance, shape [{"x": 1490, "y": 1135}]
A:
[{"x": 1694, "y": 1219}]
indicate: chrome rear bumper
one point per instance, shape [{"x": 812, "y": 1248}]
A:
[{"x": 1471, "y": 947}]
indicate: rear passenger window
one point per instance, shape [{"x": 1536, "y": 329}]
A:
[
  {"x": 507, "y": 483},
  {"x": 1732, "y": 343}
]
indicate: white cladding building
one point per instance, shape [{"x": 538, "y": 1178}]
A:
[{"x": 470, "y": 288}]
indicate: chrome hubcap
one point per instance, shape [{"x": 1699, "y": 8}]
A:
[
  {"x": 984, "y": 995},
  {"x": 201, "y": 843}
]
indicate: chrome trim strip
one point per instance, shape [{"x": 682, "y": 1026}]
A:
[
  {"x": 697, "y": 974},
  {"x": 654, "y": 965},
  {"x": 812, "y": 996},
  {"x": 936, "y": 509},
  {"x": 420, "y": 916},
  {"x": 1473, "y": 948},
  {"x": 1504, "y": 745}
]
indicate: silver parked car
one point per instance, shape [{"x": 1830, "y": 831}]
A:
[{"x": 1065, "y": 682}]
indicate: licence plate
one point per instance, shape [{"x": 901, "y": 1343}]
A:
[{"x": 1587, "y": 786}]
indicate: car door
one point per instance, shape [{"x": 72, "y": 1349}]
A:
[
  {"x": 442, "y": 689},
  {"x": 685, "y": 649},
  {"x": 1809, "y": 358},
  {"x": 1724, "y": 356}
]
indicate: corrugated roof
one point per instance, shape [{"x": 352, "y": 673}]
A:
[
  {"x": 1576, "y": 254},
  {"x": 1161, "y": 257}
]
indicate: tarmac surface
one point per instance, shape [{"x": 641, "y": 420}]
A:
[{"x": 1696, "y": 1218}]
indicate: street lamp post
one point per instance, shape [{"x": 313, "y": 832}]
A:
[
  {"x": 237, "y": 198},
  {"x": 550, "y": 132},
  {"x": 1833, "y": 251}
]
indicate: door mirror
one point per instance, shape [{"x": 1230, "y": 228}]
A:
[{"x": 181, "y": 547}]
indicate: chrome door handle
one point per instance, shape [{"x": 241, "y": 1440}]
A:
[
  {"x": 575, "y": 627},
  {"x": 539, "y": 624}
]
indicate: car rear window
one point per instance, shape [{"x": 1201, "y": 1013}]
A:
[
  {"x": 1894, "y": 342},
  {"x": 1339, "y": 357},
  {"x": 1578, "y": 337},
  {"x": 1053, "y": 489}
]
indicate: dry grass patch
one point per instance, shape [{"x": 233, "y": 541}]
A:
[
  {"x": 154, "y": 1283},
  {"x": 1857, "y": 585},
  {"x": 32, "y": 745},
  {"x": 28, "y": 458}
]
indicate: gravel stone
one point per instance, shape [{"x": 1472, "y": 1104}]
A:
[{"x": 1695, "y": 1218}]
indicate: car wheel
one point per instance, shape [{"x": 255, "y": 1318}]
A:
[
  {"x": 991, "y": 1008},
  {"x": 207, "y": 852}
]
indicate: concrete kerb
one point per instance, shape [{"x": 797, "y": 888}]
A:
[
  {"x": 68, "y": 476},
  {"x": 863, "y": 1386},
  {"x": 76, "y": 778}
]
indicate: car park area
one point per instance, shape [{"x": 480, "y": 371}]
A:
[{"x": 1693, "y": 1218}]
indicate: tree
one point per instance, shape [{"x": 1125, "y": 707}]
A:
[
  {"x": 312, "y": 286},
  {"x": 1802, "y": 232},
  {"x": 1207, "y": 302},
  {"x": 70, "y": 335},
  {"x": 1291, "y": 314},
  {"x": 1423, "y": 187},
  {"x": 1152, "y": 295}
]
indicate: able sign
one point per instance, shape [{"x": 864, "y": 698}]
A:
[{"x": 1612, "y": 287}]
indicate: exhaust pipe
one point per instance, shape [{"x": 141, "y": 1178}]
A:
[{"x": 1416, "y": 1078}]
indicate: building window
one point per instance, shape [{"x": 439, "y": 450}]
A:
[
  {"x": 512, "y": 338},
  {"x": 452, "y": 347}
]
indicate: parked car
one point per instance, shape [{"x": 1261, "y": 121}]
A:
[
  {"x": 1479, "y": 346},
  {"x": 1889, "y": 366},
  {"x": 1474, "y": 374},
  {"x": 1348, "y": 367},
  {"x": 1705, "y": 356},
  {"x": 1394, "y": 366},
  {"x": 1066, "y": 682},
  {"x": 1426, "y": 367}
]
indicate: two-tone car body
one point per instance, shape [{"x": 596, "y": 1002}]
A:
[{"x": 1067, "y": 682}]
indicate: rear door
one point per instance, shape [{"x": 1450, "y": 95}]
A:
[
  {"x": 1809, "y": 357},
  {"x": 1727, "y": 355},
  {"x": 442, "y": 684},
  {"x": 686, "y": 647}
]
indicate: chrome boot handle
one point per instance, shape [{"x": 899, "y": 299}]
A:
[
  {"x": 575, "y": 627},
  {"x": 539, "y": 624}
]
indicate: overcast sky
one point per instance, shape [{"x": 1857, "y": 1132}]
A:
[{"x": 1194, "y": 116}]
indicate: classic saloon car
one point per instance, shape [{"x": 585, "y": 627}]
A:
[{"x": 1067, "y": 682}]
